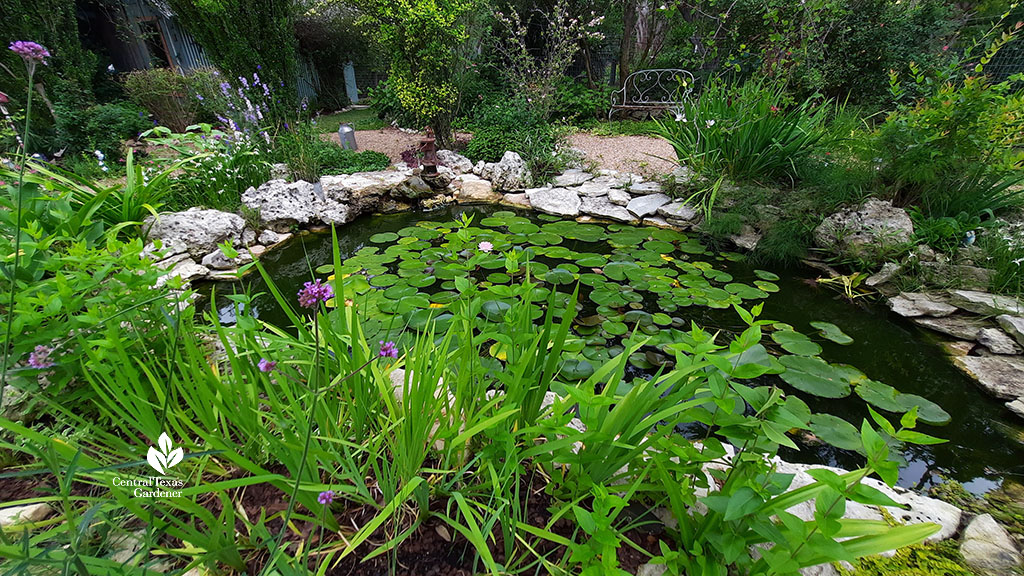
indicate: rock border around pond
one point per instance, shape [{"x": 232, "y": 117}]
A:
[{"x": 988, "y": 330}]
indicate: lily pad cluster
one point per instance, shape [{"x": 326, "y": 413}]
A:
[{"x": 634, "y": 281}]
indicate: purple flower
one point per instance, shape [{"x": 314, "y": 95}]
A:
[
  {"x": 314, "y": 292},
  {"x": 388, "y": 349},
  {"x": 40, "y": 358},
  {"x": 326, "y": 497},
  {"x": 30, "y": 51},
  {"x": 266, "y": 365}
]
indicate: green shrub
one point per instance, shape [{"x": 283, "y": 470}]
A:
[
  {"x": 574, "y": 101},
  {"x": 953, "y": 129},
  {"x": 334, "y": 159},
  {"x": 175, "y": 100},
  {"x": 384, "y": 101},
  {"x": 104, "y": 127},
  {"x": 512, "y": 124},
  {"x": 746, "y": 131}
]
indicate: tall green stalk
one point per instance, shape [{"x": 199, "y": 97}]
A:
[{"x": 9, "y": 321}]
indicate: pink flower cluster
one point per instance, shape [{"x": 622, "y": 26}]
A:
[
  {"x": 313, "y": 293},
  {"x": 30, "y": 51}
]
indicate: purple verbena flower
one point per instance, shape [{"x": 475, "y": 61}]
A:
[
  {"x": 30, "y": 51},
  {"x": 40, "y": 358},
  {"x": 326, "y": 497},
  {"x": 266, "y": 365},
  {"x": 388, "y": 349},
  {"x": 313, "y": 293}
]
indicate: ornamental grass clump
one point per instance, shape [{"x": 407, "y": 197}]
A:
[{"x": 748, "y": 132}]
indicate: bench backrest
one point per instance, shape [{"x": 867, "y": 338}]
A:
[{"x": 654, "y": 87}]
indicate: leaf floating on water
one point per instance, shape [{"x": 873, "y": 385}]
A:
[
  {"x": 836, "y": 431},
  {"x": 815, "y": 376},
  {"x": 796, "y": 343},
  {"x": 830, "y": 331}
]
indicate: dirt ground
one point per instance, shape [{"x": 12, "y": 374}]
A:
[{"x": 638, "y": 154}]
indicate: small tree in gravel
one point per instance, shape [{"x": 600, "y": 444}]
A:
[{"x": 422, "y": 38}]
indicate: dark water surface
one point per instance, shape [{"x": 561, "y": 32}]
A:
[{"x": 986, "y": 442}]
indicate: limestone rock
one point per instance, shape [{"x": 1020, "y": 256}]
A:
[
  {"x": 642, "y": 188},
  {"x": 257, "y": 250},
  {"x": 649, "y": 569},
  {"x": 1014, "y": 326},
  {"x": 417, "y": 187},
  {"x": 438, "y": 201},
  {"x": 647, "y": 205},
  {"x": 658, "y": 222},
  {"x": 967, "y": 277},
  {"x": 921, "y": 508},
  {"x": 599, "y": 186},
  {"x": 997, "y": 341},
  {"x": 747, "y": 239},
  {"x": 988, "y": 548},
  {"x": 619, "y": 197},
  {"x": 984, "y": 303},
  {"x": 187, "y": 270},
  {"x": 519, "y": 200},
  {"x": 269, "y": 237},
  {"x": 168, "y": 248},
  {"x": 216, "y": 260},
  {"x": 913, "y": 304},
  {"x": 15, "y": 515},
  {"x": 1016, "y": 406},
  {"x": 964, "y": 328},
  {"x": 958, "y": 347},
  {"x": 571, "y": 178},
  {"x": 1000, "y": 376},
  {"x": 557, "y": 201},
  {"x": 600, "y": 206},
  {"x": 508, "y": 174},
  {"x": 281, "y": 203},
  {"x": 888, "y": 271},
  {"x": 457, "y": 162},
  {"x": 476, "y": 191},
  {"x": 856, "y": 232},
  {"x": 248, "y": 237},
  {"x": 678, "y": 210},
  {"x": 198, "y": 229}
]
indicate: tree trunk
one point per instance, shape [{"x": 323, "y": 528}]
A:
[{"x": 626, "y": 44}]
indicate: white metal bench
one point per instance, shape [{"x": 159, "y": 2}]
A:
[{"x": 652, "y": 90}]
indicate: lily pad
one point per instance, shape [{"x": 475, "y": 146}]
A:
[
  {"x": 832, "y": 332},
  {"x": 384, "y": 238},
  {"x": 815, "y": 376},
  {"x": 836, "y": 432},
  {"x": 796, "y": 343}
]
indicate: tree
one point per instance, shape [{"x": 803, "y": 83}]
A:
[
  {"x": 422, "y": 38},
  {"x": 243, "y": 36}
]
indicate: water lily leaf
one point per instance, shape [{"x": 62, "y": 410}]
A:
[
  {"x": 766, "y": 275},
  {"x": 617, "y": 270},
  {"x": 614, "y": 328},
  {"x": 832, "y": 332},
  {"x": 559, "y": 276},
  {"x": 815, "y": 376},
  {"x": 383, "y": 280},
  {"x": 421, "y": 280},
  {"x": 383, "y": 237},
  {"x": 494, "y": 310},
  {"x": 836, "y": 432},
  {"x": 399, "y": 291},
  {"x": 576, "y": 369},
  {"x": 796, "y": 343},
  {"x": 766, "y": 286},
  {"x": 889, "y": 399},
  {"x": 661, "y": 319}
]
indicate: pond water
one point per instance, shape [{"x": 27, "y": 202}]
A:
[{"x": 986, "y": 444}]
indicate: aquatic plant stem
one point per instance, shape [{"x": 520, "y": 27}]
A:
[{"x": 9, "y": 321}]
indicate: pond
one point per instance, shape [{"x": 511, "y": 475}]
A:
[{"x": 659, "y": 281}]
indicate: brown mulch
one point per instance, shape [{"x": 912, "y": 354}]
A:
[{"x": 643, "y": 155}]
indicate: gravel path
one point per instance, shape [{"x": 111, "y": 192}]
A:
[{"x": 643, "y": 155}]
